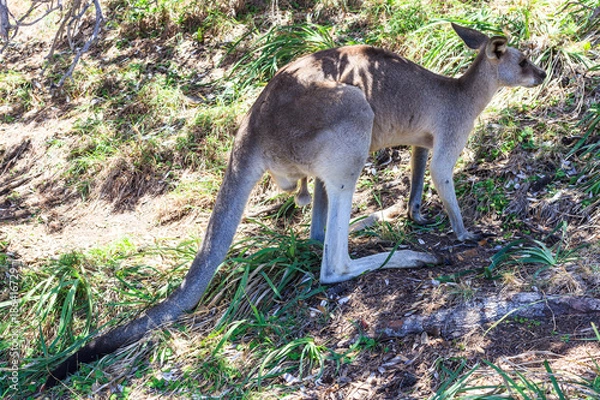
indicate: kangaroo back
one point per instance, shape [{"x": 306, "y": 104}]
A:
[{"x": 243, "y": 171}]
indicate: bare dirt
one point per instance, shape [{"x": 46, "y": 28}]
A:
[{"x": 41, "y": 217}]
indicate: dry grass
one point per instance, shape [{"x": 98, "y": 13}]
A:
[{"x": 154, "y": 123}]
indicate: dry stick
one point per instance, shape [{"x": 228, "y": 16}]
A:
[
  {"x": 6, "y": 15},
  {"x": 73, "y": 14},
  {"x": 4, "y": 21},
  {"x": 21, "y": 20},
  {"x": 75, "y": 23},
  {"x": 457, "y": 321},
  {"x": 59, "y": 31},
  {"x": 86, "y": 46}
]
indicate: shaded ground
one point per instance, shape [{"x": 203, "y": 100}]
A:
[
  {"x": 42, "y": 217},
  {"x": 411, "y": 364},
  {"x": 41, "y": 220}
]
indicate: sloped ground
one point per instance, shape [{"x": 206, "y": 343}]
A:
[
  {"x": 42, "y": 219},
  {"x": 44, "y": 215}
]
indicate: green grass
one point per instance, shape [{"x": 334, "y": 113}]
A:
[
  {"x": 147, "y": 127},
  {"x": 135, "y": 122},
  {"x": 492, "y": 382},
  {"x": 16, "y": 95},
  {"x": 274, "y": 49},
  {"x": 587, "y": 151},
  {"x": 260, "y": 289}
]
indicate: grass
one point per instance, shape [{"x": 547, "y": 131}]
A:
[
  {"x": 274, "y": 49},
  {"x": 522, "y": 253},
  {"x": 587, "y": 149},
  {"x": 489, "y": 381},
  {"x": 254, "y": 288},
  {"x": 155, "y": 111},
  {"x": 15, "y": 95},
  {"x": 136, "y": 128}
]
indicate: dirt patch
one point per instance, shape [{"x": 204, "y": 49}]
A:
[
  {"x": 41, "y": 216},
  {"x": 366, "y": 308}
]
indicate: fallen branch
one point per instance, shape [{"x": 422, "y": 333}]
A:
[
  {"x": 451, "y": 323},
  {"x": 86, "y": 46},
  {"x": 69, "y": 26}
]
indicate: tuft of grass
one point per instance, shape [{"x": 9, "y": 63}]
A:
[
  {"x": 63, "y": 300},
  {"x": 587, "y": 151},
  {"x": 390, "y": 22},
  {"x": 454, "y": 381},
  {"x": 445, "y": 52},
  {"x": 490, "y": 381},
  {"x": 267, "y": 269},
  {"x": 302, "y": 353},
  {"x": 534, "y": 252},
  {"x": 275, "y": 48},
  {"x": 63, "y": 294},
  {"x": 16, "y": 95}
]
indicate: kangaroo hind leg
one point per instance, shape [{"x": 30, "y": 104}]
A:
[
  {"x": 338, "y": 171},
  {"x": 418, "y": 165},
  {"x": 337, "y": 265}
]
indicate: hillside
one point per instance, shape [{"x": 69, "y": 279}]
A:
[{"x": 107, "y": 182}]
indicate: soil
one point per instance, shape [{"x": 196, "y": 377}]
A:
[
  {"x": 42, "y": 217},
  {"x": 382, "y": 300}
]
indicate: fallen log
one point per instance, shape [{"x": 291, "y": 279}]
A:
[{"x": 454, "y": 322}]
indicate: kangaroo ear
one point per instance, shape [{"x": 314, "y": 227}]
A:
[
  {"x": 496, "y": 47},
  {"x": 472, "y": 38}
]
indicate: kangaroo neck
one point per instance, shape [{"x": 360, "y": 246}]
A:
[{"x": 479, "y": 83}]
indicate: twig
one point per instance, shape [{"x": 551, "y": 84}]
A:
[
  {"x": 4, "y": 21},
  {"x": 71, "y": 22},
  {"x": 50, "y": 10},
  {"x": 86, "y": 46}
]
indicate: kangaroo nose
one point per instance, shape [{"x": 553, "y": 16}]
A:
[{"x": 543, "y": 75}]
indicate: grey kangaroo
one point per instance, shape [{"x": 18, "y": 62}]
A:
[{"x": 320, "y": 117}]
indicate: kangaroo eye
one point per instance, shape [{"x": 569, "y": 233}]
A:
[{"x": 523, "y": 63}]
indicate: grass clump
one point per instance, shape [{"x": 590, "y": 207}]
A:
[
  {"x": 16, "y": 95},
  {"x": 268, "y": 269},
  {"x": 398, "y": 19},
  {"x": 74, "y": 293},
  {"x": 587, "y": 153},
  {"x": 277, "y": 47},
  {"x": 491, "y": 381}
]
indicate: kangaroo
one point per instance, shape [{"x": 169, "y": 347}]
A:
[{"x": 320, "y": 117}]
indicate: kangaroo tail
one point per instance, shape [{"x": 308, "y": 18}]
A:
[{"x": 244, "y": 170}]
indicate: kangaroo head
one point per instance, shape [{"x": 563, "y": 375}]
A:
[{"x": 511, "y": 66}]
